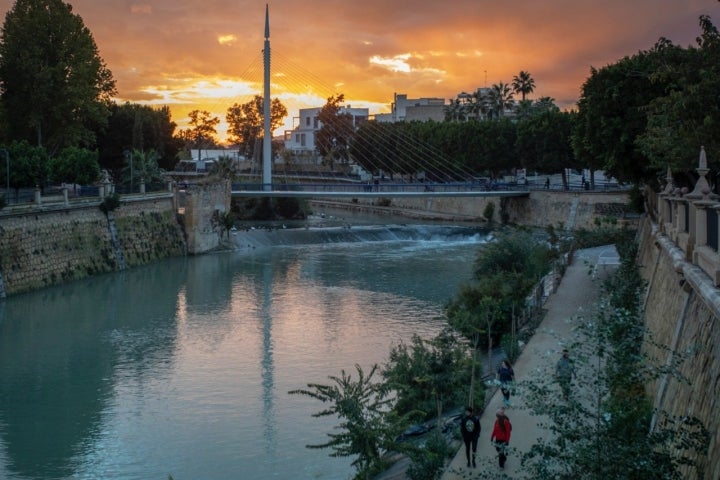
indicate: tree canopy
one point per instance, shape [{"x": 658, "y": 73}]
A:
[
  {"x": 54, "y": 86},
  {"x": 246, "y": 122}
]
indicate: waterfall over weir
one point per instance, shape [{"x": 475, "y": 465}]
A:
[{"x": 260, "y": 237}]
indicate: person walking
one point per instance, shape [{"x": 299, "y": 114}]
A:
[
  {"x": 564, "y": 373},
  {"x": 500, "y": 437},
  {"x": 470, "y": 430},
  {"x": 506, "y": 376}
]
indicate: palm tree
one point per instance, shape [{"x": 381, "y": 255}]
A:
[
  {"x": 454, "y": 111},
  {"x": 501, "y": 98},
  {"x": 523, "y": 83},
  {"x": 480, "y": 104}
]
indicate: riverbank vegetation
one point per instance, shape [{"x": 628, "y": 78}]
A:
[
  {"x": 607, "y": 428},
  {"x": 426, "y": 378}
]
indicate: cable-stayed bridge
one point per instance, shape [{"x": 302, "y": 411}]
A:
[{"x": 428, "y": 173}]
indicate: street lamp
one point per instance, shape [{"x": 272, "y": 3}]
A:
[
  {"x": 7, "y": 171},
  {"x": 129, "y": 155}
]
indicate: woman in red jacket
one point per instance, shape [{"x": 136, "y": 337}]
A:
[{"x": 501, "y": 435}]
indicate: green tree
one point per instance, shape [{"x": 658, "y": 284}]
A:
[
  {"x": 142, "y": 166},
  {"x": 367, "y": 428},
  {"x": 505, "y": 271},
  {"x": 53, "y": 84},
  {"x": 523, "y": 83},
  {"x": 202, "y": 129},
  {"x": 75, "y": 165},
  {"x": 474, "y": 313},
  {"x": 427, "y": 375},
  {"x": 224, "y": 167},
  {"x": 246, "y": 122},
  {"x": 688, "y": 117},
  {"x": 612, "y": 114},
  {"x": 333, "y": 139},
  {"x": 28, "y": 165},
  {"x": 137, "y": 127},
  {"x": 544, "y": 142}
]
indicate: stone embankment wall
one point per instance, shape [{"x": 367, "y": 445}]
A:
[
  {"x": 203, "y": 205},
  {"x": 541, "y": 208},
  {"x": 682, "y": 310},
  {"x": 44, "y": 247}
]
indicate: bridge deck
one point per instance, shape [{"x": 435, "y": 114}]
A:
[{"x": 381, "y": 190}]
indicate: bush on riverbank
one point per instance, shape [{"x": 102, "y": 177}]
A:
[{"x": 606, "y": 426}]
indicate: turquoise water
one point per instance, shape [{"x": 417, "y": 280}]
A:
[{"x": 183, "y": 367}]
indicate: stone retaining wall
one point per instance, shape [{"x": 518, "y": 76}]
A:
[
  {"x": 44, "y": 247},
  {"x": 541, "y": 208},
  {"x": 681, "y": 311}
]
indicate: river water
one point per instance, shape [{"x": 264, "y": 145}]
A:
[{"x": 183, "y": 368}]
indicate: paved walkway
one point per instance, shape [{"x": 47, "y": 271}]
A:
[{"x": 575, "y": 297}]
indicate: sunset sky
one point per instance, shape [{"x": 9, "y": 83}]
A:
[{"x": 207, "y": 54}]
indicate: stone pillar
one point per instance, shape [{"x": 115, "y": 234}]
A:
[
  {"x": 701, "y": 224},
  {"x": 142, "y": 185},
  {"x": 38, "y": 197},
  {"x": 65, "y": 196}
]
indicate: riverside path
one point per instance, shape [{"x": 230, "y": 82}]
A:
[{"x": 574, "y": 299}]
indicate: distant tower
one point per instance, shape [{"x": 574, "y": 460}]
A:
[{"x": 267, "y": 139}]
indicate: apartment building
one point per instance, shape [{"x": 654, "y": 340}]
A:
[
  {"x": 408, "y": 109},
  {"x": 301, "y": 138}
]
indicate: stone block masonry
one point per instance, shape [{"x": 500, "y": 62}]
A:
[
  {"x": 682, "y": 312},
  {"x": 48, "y": 247},
  {"x": 571, "y": 210}
]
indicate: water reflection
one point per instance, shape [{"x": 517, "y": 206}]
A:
[
  {"x": 268, "y": 367},
  {"x": 183, "y": 367},
  {"x": 59, "y": 355}
]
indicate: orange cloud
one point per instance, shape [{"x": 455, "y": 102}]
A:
[{"x": 187, "y": 54}]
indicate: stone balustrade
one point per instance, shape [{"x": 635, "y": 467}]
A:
[{"x": 690, "y": 220}]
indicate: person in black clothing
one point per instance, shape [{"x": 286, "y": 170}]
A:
[
  {"x": 506, "y": 377},
  {"x": 470, "y": 429}
]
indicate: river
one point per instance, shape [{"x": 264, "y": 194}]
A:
[{"x": 183, "y": 367}]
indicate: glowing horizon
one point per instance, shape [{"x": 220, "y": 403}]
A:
[{"x": 191, "y": 55}]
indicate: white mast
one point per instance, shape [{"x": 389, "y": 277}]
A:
[{"x": 267, "y": 139}]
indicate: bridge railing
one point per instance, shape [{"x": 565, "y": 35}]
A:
[{"x": 378, "y": 187}]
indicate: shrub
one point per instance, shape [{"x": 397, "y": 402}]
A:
[
  {"x": 489, "y": 212},
  {"x": 429, "y": 460},
  {"x": 110, "y": 203}
]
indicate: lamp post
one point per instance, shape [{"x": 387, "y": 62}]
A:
[
  {"x": 7, "y": 171},
  {"x": 129, "y": 156}
]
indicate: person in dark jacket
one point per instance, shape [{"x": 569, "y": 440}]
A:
[
  {"x": 506, "y": 377},
  {"x": 470, "y": 430},
  {"x": 565, "y": 372},
  {"x": 501, "y": 435}
]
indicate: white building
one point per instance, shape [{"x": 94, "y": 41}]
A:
[
  {"x": 408, "y": 109},
  {"x": 302, "y": 137}
]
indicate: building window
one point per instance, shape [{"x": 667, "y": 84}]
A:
[
  {"x": 316, "y": 123},
  {"x": 302, "y": 139},
  {"x": 307, "y": 121}
]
